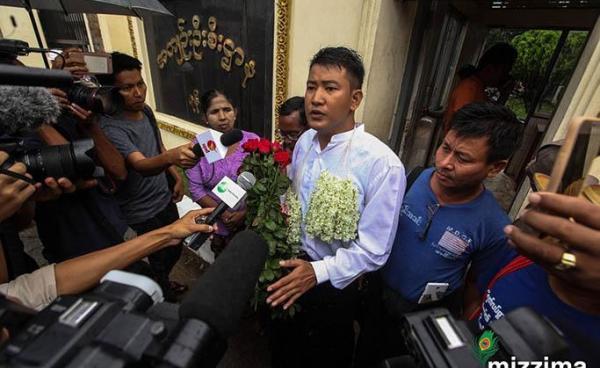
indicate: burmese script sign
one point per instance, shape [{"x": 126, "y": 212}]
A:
[{"x": 222, "y": 44}]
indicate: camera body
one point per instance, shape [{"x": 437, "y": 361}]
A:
[
  {"x": 436, "y": 340},
  {"x": 92, "y": 96},
  {"x": 115, "y": 325},
  {"x": 73, "y": 161}
]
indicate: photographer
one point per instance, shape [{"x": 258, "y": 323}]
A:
[
  {"x": 90, "y": 218},
  {"x": 38, "y": 289},
  {"x": 564, "y": 282}
]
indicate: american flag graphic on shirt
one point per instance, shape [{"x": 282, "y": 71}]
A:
[{"x": 453, "y": 243}]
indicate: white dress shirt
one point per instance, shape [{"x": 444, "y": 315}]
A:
[{"x": 380, "y": 180}]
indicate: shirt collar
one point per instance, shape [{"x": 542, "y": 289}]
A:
[{"x": 341, "y": 137}]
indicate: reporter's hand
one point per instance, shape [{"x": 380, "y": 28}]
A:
[
  {"x": 73, "y": 62},
  {"x": 183, "y": 156},
  {"x": 187, "y": 225},
  {"x": 61, "y": 96},
  {"x": 84, "y": 116},
  {"x": 52, "y": 188},
  {"x": 13, "y": 192},
  {"x": 178, "y": 191},
  {"x": 233, "y": 219},
  {"x": 581, "y": 237}
]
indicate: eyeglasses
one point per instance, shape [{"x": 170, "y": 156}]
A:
[
  {"x": 432, "y": 209},
  {"x": 291, "y": 136}
]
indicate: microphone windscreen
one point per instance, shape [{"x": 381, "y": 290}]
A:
[
  {"x": 24, "y": 109},
  {"x": 198, "y": 151},
  {"x": 231, "y": 137},
  {"x": 222, "y": 293}
]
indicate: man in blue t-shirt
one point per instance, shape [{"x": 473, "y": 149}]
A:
[
  {"x": 567, "y": 295},
  {"x": 449, "y": 221}
]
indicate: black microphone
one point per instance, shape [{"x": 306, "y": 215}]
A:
[
  {"x": 222, "y": 293},
  {"x": 246, "y": 181},
  {"x": 227, "y": 139},
  {"x": 24, "y": 76}
]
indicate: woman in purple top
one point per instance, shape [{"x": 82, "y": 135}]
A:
[{"x": 220, "y": 115}]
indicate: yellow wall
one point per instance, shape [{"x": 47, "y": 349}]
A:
[
  {"x": 23, "y": 32},
  {"x": 390, "y": 50},
  {"x": 378, "y": 29},
  {"x": 332, "y": 23}
]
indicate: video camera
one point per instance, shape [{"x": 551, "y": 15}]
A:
[
  {"x": 85, "y": 92},
  {"x": 73, "y": 161},
  {"x": 436, "y": 340},
  {"x": 120, "y": 323},
  {"x": 124, "y": 323}
]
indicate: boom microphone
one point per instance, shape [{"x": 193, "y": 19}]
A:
[
  {"x": 246, "y": 181},
  {"x": 25, "y": 76},
  {"x": 24, "y": 109},
  {"x": 227, "y": 139},
  {"x": 222, "y": 293}
]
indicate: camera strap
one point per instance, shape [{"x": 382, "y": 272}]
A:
[
  {"x": 16, "y": 175},
  {"x": 155, "y": 129},
  {"x": 516, "y": 264}
]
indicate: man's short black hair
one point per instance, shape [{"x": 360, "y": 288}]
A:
[
  {"x": 501, "y": 53},
  {"x": 496, "y": 122},
  {"x": 292, "y": 104},
  {"x": 121, "y": 62},
  {"x": 342, "y": 57}
]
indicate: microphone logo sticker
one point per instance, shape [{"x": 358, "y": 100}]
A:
[
  {"x": 222, "y": 187},
  {"x": 211, "y": 145}
]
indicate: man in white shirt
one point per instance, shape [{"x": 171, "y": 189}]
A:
[{"x": 322, "y": 334}]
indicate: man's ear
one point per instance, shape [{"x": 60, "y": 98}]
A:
[
  {"x": 495, "y": 167},
  {"x": 357, "y": 96}
]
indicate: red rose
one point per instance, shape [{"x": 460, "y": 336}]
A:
[
  {"x": 251, "y": 145},
  {"x": 282, "y": 158},
  {"x": 264, "y": 146},
  {"x": 276, "y": 147}
]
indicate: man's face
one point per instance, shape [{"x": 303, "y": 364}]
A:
[
  {"x": 290, "y": 129},
  {"x": 330, "y": 99},
  {"x": 461, "y": 163},
  {"x": 132, "y": 88}
]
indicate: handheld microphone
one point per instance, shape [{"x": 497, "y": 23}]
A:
[
  {"x": 222, "y": 293},
  {"x": 231, "y": 196},
  {"x": 227, "y": 139},
  {"x": 24, "y": 109}
]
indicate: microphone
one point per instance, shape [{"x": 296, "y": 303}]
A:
[
  {"x": 24, "y": 109},
  {"x": 231, "y": 195},
  {"x": 222, "y": 293},
  {"x": 227, "y": 139},
  {"x": 212, "y": 145},
  {"x": 15, "y": 75}
]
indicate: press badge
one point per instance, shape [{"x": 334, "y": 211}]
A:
[{"x": 433, "y": 292}]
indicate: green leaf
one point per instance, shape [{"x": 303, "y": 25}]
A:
[
  {"x": 269, "y": 224},
  {"x": 269, "y": 276}
]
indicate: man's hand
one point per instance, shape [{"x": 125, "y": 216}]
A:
[
  {"x": 84, "y": 116},
  {"x": 61, "y": 97},
  {"x": 178, "y": 191},
  {"x": 187, "y": 225},
  {"x": 233, "y": 219},
  {"x": 289, "y": 288},
  {"x": 183, "y": 156},
  {"x": 73, "y": 62},
  {"x": 581, "y": 237},
  {"x": 13, "y": 192}
]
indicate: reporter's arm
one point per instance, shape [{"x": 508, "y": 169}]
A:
[
  {"x": 182, "y": 156},
  {"x": 110, "y": 158},
  {"x": 81, "y": 273}
]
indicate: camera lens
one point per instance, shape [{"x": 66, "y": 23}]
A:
[
  {"x": 72, "y": 161},
  {"x": 103, "y": 100}
]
